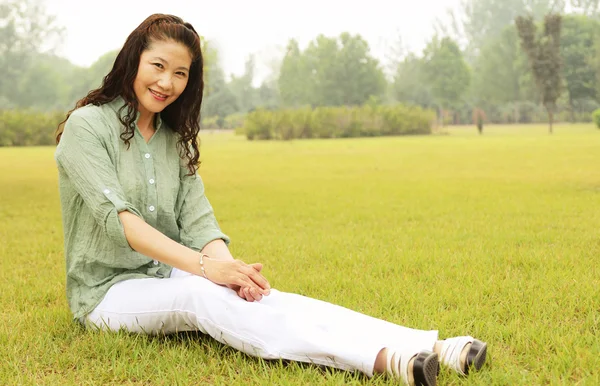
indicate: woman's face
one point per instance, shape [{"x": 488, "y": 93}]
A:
[{"x": 162, "y": 75}]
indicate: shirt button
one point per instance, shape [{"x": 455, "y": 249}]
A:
[
  {"x": 151, "y": 181},
  {"x": 147, "y": 155},
  {"x": 155, "y": 262},
  {"x": 151, "y": 208},
  {"x": 106, "y": 191}
]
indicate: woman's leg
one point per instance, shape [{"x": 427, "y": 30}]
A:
[
  {"x": 282, "y": 325},
  {"x": 350, "y": 322}
]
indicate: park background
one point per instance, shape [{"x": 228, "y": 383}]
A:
[{"x": 451, "y": 187}]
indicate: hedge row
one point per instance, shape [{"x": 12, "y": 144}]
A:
[
  {"x": 338, "y": 122},
  {"x": 33, "y": 128},
  {"x": 28, "y": 127}
]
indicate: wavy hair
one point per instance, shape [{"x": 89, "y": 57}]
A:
[{"x": 183, "y": 115}]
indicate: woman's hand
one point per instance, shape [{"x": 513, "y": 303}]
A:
[
  {"x": 244, "y": 292},
  {"x": 243, "y": 278}
]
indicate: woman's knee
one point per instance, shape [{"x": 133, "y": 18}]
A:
[{"x": 196, "y": 288}]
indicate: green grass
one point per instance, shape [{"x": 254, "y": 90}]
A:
[{"x": 495, "y": 236}]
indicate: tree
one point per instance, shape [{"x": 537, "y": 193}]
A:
[
  {"x": 501, "y": 75},
  {"x": 586, "y": 7},
  {"x": 25, "y": 30},
  {"x": 83, "y": 80},
  {"x": 242, "y": 88},
  {"x": 330, "y": 72},
  {"x": 268, "y": 92},
  {"x": 544, "y": 57},
  {"x": 410, "y": 83},
  {"x": 295, "y": 80},
  {"x": 219, "y": 104},
  {"x": 395, "y": 55},
  {"x": 218, "y": 100},
  {"x": 578, "y": 51},
  {"x": 268, "y": 96},
  {"x": 359, "y": 75},
  {"x": 46, "y": 84},
  {"x": 344, "y": 73},
  {"x": 478, "y": 21},
  {"x": 596, "y": 63},
  {"x": 212, "y": 71},
  {"x": 447, "y": 72},
  {"x": 321, "y": 58}
]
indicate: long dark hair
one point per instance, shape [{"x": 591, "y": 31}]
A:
[{"x": 183, "y": 115}]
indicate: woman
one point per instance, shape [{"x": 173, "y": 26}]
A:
[{"x": 145, "y": 253}]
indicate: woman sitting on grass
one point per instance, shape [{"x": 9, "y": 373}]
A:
[{"x": 144, "y": 252}]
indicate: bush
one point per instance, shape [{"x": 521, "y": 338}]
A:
[
  {"x": 29, "y": 128},
  {"x": 596, "y": 118},
  {"x": 259, "y": 125},
  {"x": 338, "y": 122}
]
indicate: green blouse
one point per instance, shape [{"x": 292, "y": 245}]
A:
[{"x": 99, "y": 178}]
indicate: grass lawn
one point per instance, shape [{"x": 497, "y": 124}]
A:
[{"x": 496, "y": 236}]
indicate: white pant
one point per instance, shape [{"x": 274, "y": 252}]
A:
[{"x": 282, "y": 325}]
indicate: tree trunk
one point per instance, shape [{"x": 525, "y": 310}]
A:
[
  {"x": 550, "y": 111},
  {"x": 572, "y": 109}
]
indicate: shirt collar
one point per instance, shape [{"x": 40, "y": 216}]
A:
[{"x": 159, "y": 121}]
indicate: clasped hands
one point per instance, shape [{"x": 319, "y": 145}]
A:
[{"x": 245, "y": 279}]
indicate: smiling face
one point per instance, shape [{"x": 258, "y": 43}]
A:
[{"x": 162, "y": 75}]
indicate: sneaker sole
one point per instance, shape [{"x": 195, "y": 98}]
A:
[
  {"x": 425, "y": 369},
  {"x": 476, "y": 356}
]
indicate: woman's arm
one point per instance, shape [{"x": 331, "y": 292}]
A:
[
  {"x": 222, "y": 269},
  {"x": 199, "y": 229},
  {"x": 82, "y": 155},
  {"x": 217, "y": 249}
]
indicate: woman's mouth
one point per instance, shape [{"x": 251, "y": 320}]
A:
[{"x": 158, "y": 96}]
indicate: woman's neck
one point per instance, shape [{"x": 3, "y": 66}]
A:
[{"x": 145, "y": 121}]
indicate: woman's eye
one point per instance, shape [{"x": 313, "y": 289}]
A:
[
  {"x": 181, "y": 73},
  {"x": 158, "y": 65}
]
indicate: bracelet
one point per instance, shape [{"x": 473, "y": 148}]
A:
[{"x": 202, "y": 256}]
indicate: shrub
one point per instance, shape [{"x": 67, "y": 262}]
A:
[
  {"x": 596, "y": 118},
  {"x": 29, "y": 128},
  {"x": 338, "y": 122},
  {"x": 259, "y": 124}
]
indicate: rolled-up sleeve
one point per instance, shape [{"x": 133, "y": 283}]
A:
[
  {"x": 82, "y": 156},
  {"x": 197, "y": 222}
]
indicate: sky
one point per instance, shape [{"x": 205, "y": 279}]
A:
[{"x": 242, "y": 27}]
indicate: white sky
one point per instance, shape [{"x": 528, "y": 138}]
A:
[{"x": 241, "y": 27}]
